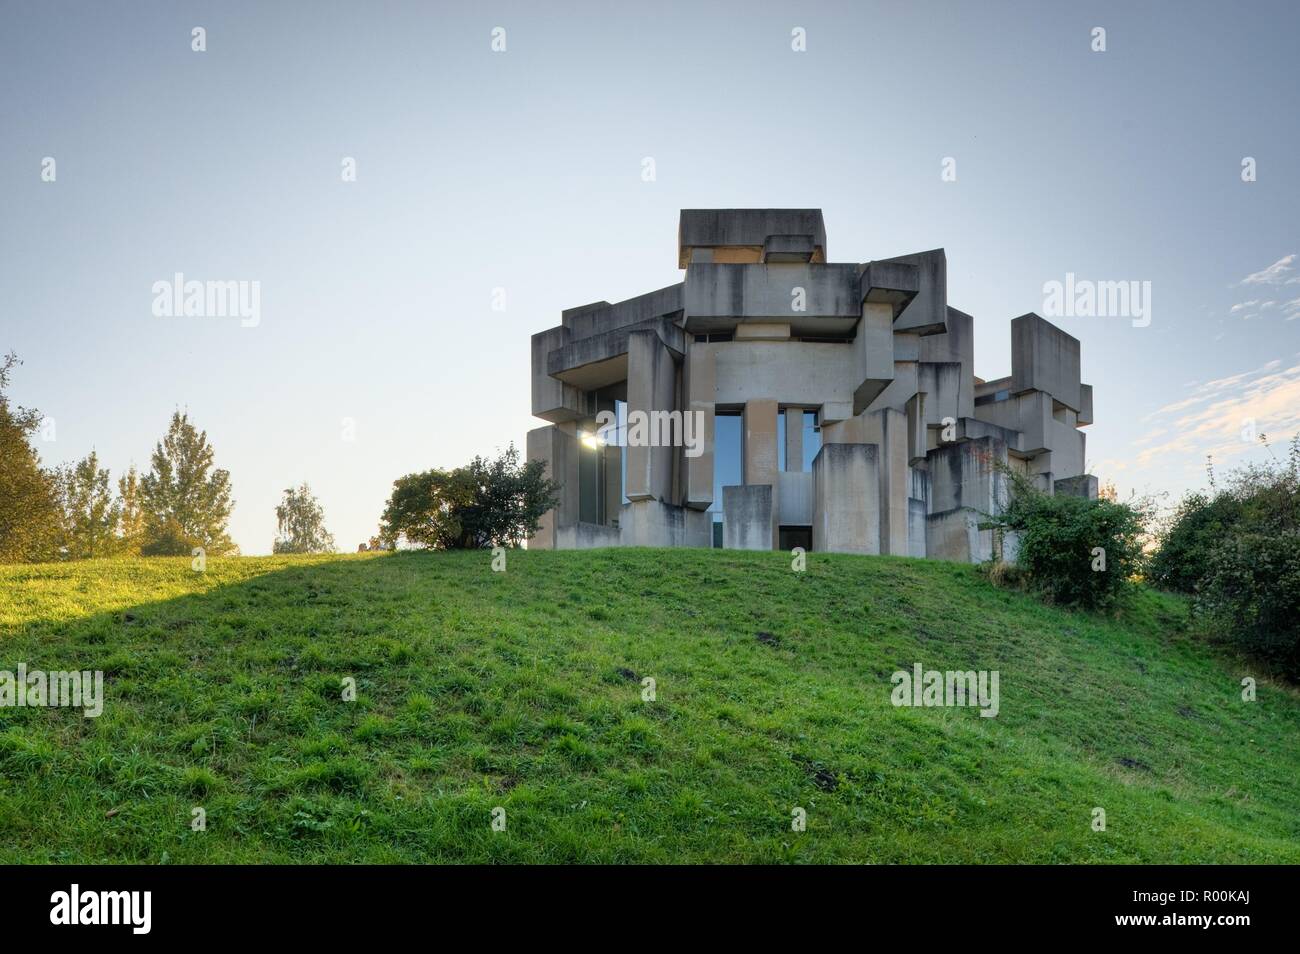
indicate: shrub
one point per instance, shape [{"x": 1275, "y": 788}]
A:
[
  {"x": 1073, "y": 550},
  {"x": 484, "y": 504},
  {"x": 1197, "y": 528},
  {"x": 1249, "y": 590}
]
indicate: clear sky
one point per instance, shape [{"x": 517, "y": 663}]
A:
[{"x": 522, "y": 170}]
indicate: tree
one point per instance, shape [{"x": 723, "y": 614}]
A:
[
  {"x": 130, "y": 516},
  {"x": 30, "y": 517},
  {"x": 484, "y": 504},
  {"x": 185, "y": 503},
  {"x": 301, "y": 524},
  {"x": 90, "y": 514}
]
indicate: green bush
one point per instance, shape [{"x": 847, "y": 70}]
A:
[
  {"x": 1198, "y": 526},
  {"x": 1248, "y": 593},
  {"x": 1073, "y": 550},
  {"x": 487, "y": 503},
  {"x": 1251, "y": 596}
]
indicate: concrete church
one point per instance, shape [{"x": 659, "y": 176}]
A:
[{"x": 774, "y": 399}]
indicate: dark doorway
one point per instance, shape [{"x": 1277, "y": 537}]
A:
[{"x": 791, "y": 537}]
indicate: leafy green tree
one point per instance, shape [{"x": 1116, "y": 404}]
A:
[
  {"x": 484, "y": 504},
  {"x": 301, "y": 524},
  {"x": 185, "y": 502},
  {"x": 90, "y": 514},
  {"x": 30, "y": 517},
  {"x": 130, "y": 515}
]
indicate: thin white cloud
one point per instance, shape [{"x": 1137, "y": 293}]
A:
[
  {"x": 1279, "y": 273},
  {"x": 1223, "y": 417}
]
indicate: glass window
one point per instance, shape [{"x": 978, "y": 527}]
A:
[
  {"x": 780, "y": 440},
  {"x": 812, "y": 438},
  {"x": 728, "y": 458}
]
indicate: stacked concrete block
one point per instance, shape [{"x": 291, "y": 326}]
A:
[
  {"x": 915, "y": 450},
  {"x": 846, "y": 499}
]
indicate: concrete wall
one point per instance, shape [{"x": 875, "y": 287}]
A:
[
  {"x": 806, "y": 373},
  {"x": 558, "y": 449},
  {"x": 846, "y": 499},
  {"x": 1084, "y": 486},
  {"x": 969, "y": 474},
  {"x": 653, "y": 523},
  {"x": 747, "y": 517},
  {"x": 586, "y": 536},
  {"x": 699, "y": 383}
]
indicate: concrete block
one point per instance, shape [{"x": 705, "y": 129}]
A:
[
  {"x": 928, "y": 311},
  {"x": 873, "y": 349},
  {"x": 955, "y": 535},
  {"x": 747, "y": 522},
  {"x": 846, "y": 499},
  {"x": 553, "y": 400},
  {"x": 1045, "y": 358},
  {"x": 699, "y": 382},
  {"x": 651, "y": 386},
  {"x": 793, "y": 439},
  {"x": 747, "y": 228},
  {"x": 1085, "y": 485},
  {"x": 653, "y": 523},
  {"x": 814, "y": 299},
  {"x": 970, "y": 475},
  {"x": 586, "y": 536},
  {"x": 917, "y": 431},
  {"x": 916, "y": 527},
  {"x": 894, "y": 481},
  {"x": 558, "y": 449}
]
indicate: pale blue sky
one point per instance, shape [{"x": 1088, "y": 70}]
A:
[{"x": 522, "y": 170}]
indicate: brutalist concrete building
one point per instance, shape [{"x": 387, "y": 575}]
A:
[{"x": 774, "y": 399}]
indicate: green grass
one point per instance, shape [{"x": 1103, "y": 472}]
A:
[{"x": 522, "y": 690}]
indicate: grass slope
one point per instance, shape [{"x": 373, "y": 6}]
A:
[{"x": 522, "y": 690}]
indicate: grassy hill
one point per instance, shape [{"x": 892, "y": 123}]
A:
[{"x": 523, "y": 690}]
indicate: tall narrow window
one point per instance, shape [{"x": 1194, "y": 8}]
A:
[
  {"x": 780, "y": 440},
  {"x": 728, "y": 462},
  {"x": 812, "y": 437}
]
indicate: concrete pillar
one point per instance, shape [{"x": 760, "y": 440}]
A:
[
  {"x": 700, "y": 372},
  {"x": 557, "y": 447},
  {"x": 917, "y": 437},
  {"x": 760, "y": 452},
  {"x": 895, "y": 483},
  {"x": 846, "y": 499},
  {"x": 613, "y": 483},
  {"x": 794, "y": 439},
  {"x": 651, "y": 387}
]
